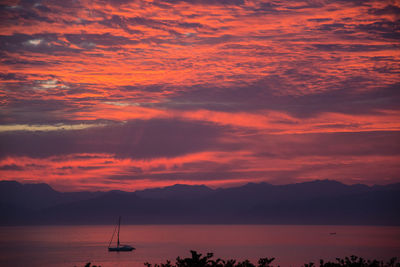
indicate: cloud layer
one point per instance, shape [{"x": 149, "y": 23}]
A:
[{"x": 133, "y": 94}]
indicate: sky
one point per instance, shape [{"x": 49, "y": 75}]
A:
[{"x": 116, "y": 94}]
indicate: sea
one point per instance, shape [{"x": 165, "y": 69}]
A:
[{"x": 290, "y": 245}]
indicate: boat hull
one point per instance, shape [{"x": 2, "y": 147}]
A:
[{"x": 122, "y": 248}]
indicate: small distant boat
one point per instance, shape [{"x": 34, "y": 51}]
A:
[
  {"x": 333, "y": 233},
  {"x": 119, "y": 246}
]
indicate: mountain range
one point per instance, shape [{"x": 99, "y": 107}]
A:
[{"x": 316, "y": 202}]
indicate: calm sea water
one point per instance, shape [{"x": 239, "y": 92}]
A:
[{"x": 291, "y": 245}]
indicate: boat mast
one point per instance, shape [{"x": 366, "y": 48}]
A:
[{"x": 119, "y": 225}]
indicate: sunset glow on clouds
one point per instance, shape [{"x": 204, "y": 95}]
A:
[{"x": 114, "y": 94}]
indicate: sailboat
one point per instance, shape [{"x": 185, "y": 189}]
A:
[{"x": 119, "y": 246}]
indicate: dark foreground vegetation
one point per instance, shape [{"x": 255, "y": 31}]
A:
[{"x": 198, "y": 260}]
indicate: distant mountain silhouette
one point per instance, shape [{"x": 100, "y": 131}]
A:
[
  {"x": 176, "y": 191},
  {"x": 316, "y": 202}
]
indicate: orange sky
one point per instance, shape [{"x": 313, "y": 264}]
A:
[{"x": 115, "y": 94}]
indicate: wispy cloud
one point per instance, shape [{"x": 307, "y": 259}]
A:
[{"x": 47, "y": 128}]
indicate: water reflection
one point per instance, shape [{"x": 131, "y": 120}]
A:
[{"x": 290, "y": 245}]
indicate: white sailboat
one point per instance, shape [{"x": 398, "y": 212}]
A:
[{"x": 119, "y": 246}]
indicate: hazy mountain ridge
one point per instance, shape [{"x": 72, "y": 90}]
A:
[
  {"x": 316, "y": 202},
  {"x": 38, "y": 196},
  {"x": 175, "y": 191}
]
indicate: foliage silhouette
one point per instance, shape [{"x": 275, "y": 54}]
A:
[
  {"x": 88, "y": 265},
  {"x": 197, "y": 260},
  {"x": 354, "y": 261}
]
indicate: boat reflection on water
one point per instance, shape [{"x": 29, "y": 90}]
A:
[{"x": 119, "y": 246}]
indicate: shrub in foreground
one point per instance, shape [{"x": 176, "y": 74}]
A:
[{"x": 197, "y": 260}]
